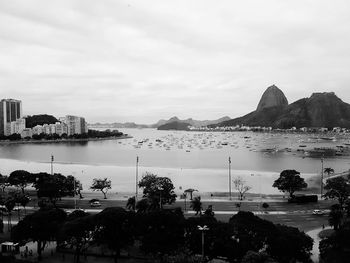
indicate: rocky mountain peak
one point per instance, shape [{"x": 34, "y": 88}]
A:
[{"x": 272, "y": 97}]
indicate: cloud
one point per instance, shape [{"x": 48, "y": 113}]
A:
[{"x": 142, "y": 60}]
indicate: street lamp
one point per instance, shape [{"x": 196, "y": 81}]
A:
[
  {"x": 202, "y": 229},
  {"x": 137, "y": 178},
  {"x": 74, "y": 190},
  {"x": 52, "y": 159},
  {"x": 229, "y": 177},
  {"x": 160, "y": 189},
  {"x": 260, "y": 195},
  {"x": 322, "y": 158}
]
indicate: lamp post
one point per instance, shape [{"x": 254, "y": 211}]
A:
[
  {"x": 52, "y": 159},
  {"x": 75, "y": 199},
  {"x": 260, "y": 195},
  {"x": 322, "y": 158},
  {"x": 202, "y": 229},
  {"x": 137, "y": 178},
  {"x": 160, "y": 189},
  {"x": 229, "y": 177}
]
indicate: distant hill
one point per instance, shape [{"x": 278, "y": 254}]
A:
[
  {"x": 320, "y": 110},
  {"x": 118, "y": 125},
  {"x": 40, "y": 119},
  {"x": 190, "y": 121},
  {"x": 182, "y": 126}
]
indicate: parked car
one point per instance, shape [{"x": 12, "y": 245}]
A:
[
  {"x": 317, "y": 212},
  {"x": 95, "y": 204}
]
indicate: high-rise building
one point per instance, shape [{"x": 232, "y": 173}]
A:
[
  {"x": 76, "y": 125},
  {"x": 10, "y": 111}
]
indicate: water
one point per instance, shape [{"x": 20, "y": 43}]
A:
[{"x": 191, "y": 159}]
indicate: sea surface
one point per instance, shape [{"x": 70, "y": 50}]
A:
[{"x": 197, "y": 160}]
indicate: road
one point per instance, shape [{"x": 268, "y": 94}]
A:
[{"x": 279, "y": 212}]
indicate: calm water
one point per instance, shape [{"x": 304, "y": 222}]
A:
[{"x": 189, "y": 158}]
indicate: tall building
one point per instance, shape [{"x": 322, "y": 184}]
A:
[
  {"x": 10, "y": 111},
  {"x": 75, "y": 125}
]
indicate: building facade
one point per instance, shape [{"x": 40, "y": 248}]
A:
[
  {"x": 10, "y": 111},
  {"x": 75, "y": 124}
]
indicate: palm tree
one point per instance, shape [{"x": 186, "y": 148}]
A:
[
  {"x": 328, "y": 171},
  {"x": 196, "y": 205},
  {"x": 190, "y": 191}
]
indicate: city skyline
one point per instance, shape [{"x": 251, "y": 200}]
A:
[{"x": 131, "y": 61}]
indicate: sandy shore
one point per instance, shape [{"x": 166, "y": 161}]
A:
[{"x": 124, "y": 177}]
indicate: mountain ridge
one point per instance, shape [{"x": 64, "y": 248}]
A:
[{"x": 321, "y": 109}]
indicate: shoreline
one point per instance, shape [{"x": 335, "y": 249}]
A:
[
  {"x": 211, "y": 181},
  {"x": 65, "y": 140}
]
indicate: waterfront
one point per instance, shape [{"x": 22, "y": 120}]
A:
[{"x": 191, "y": 159}]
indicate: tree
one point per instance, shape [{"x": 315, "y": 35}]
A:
[
  {"x": 23, "y": 200},
  {"x": 328, "y": 171},
  {"x": 114, "y": 229},
  {"x": 102, "y": 185},
  {"x": 336, "y": 247},
  {"x": 290, "y": 181},
  {"x": 209, "y": 211},
  {"x": 143, "y": 205},
  {"x": 159, "y": 190},
  {"x": 241, "y": 187},
  {"x": 53, "y": 187},
  {"x": 196, "y": 205},
  {"x": 335, "y": 216},
  {"x": 283, "y": 243},
  {"x": 3, "y": 182},
  {"x": 74, "y": 186},
  {"x": 337, "y": 188},
  {"x": 161, "y": 231},
  {"x": 257, "y": 257},
  {"x": 131, "y": 203},
  {"x": 20, "y": 179},
  {"x": 79, "y": 232},
  {"x": 42, "y": 226},
  {"x": 10, "y": 204}
]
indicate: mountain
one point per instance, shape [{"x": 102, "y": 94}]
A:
[
  {"x": 319, "y": 110},
  {"x": 175, "y": 125},
  {"x": 272, "y": 97},
  {"x": 190, "y": 121},
  {"x": 117, "y": 125}
]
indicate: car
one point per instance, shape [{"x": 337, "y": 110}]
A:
[
  {"x": 317, "y": 212},
  {"x": 95, "y": 204}
]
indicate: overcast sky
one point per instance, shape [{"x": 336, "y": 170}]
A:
[{"x": 146, "y": 60}]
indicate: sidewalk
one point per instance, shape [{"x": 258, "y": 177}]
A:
[{"x": 314, "y": 235}]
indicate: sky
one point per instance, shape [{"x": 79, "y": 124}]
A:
[{"x": 141, "y": 61}]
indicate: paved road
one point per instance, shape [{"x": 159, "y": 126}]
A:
[{"x": 298, "y": 215}]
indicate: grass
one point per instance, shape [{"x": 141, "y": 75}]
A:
[{"x": 326, "y": 233}]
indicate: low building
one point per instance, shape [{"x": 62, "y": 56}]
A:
[
  {"x": 17, "y": 126},
  {"x": 27, "y": 132}
]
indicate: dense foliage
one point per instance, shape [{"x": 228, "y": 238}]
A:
[
  {"x": 158, "y": 190},
  {"x": 40, "y": 119},
  {"x": 290, "y": 181}
]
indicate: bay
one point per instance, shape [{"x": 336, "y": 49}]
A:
[{"x": 191, "y": 159}]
